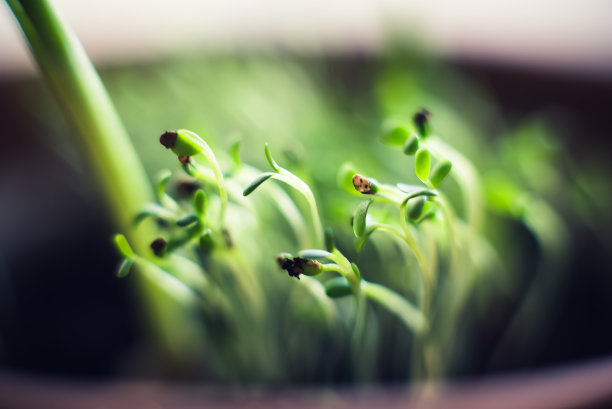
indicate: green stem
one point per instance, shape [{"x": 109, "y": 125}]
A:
[
  {"x": 414, "y": 246},
  {"x": 289, "y": 178},
  {"x": 411, "y": 316},
  {"x": 449, "y": 217},
  {"x": 466, "y": 176},
  {"x": 76, "y": 86},
  {"x": 214, "y": 164}
]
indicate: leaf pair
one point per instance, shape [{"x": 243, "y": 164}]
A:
[{"x": 422, "y": 166}]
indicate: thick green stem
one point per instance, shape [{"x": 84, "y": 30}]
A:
[{"x": 76, "y": 86}]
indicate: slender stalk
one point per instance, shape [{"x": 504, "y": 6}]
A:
[
  {"x": 414, "y": 246},
  {"x": 414, "y": 319},
  {"x": 214, "y": 165},
  {"x": 466, "y": 176}
]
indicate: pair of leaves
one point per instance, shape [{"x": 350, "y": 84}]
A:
[
  {"x": 264, "y": 176},
  {"x": 422, "y": 166}
]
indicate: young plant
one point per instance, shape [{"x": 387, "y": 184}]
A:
[
  {"x": 426, "y": 223},
  {"x": 283, "y": 175},
  {"x": 350, "y": 280}
]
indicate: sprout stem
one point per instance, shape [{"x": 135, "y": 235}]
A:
[{"x": 411, "y": 316}]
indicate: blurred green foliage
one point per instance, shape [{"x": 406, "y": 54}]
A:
[{"x": 317, "y": 118}]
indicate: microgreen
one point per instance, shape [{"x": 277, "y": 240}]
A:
[{"x": 283, "y": 175}]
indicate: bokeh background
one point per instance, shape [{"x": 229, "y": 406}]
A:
[{"x": 315, "y": 79}]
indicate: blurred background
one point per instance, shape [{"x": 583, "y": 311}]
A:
[{"x": 524, "y": 89}]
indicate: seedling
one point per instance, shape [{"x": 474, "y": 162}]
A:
[{"x": 306, "y": 261}]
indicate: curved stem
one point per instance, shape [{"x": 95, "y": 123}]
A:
[
  {"x": 449, "y": 216},
  {"x": 78, "y": 89},
  {"x": 414, "y": 246},
  {"x": 289, "y": 178},
  {"x": 411, "y": 316},
  {"x": 466, "y": 176},
  {"x": 317, "y": 290},
  {"x": 210, "y": 157}
]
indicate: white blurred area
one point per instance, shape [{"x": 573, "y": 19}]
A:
[{"x": 554, "y": 35}]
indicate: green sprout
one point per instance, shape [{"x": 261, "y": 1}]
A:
[
  {"x": 283, "y": 175},
  {"x": 306, "y": 263}
]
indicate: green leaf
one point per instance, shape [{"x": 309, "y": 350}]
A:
[
  {"x": 394, "y": 133},
  {"x": 155, "y": 210},
  {"x": 428, "y": 214},
  {"x": 125, "y": 267},
  {"x": 439, "y": 172},
  {"x": 187, "y": 220},
  {"x": 329, "y": 239},
  {"x": 337, "y": 287},
  {"x": 416, "y": 208},
  {"x": 234, "y": 151},
  {"x": 255, "y": 184},
  {"x": 123, "y": 246},
  {"x": 359, "y": 241},
  {"x": 271, "y": 160},
  {"x": 207, "y": 242},
  {"x": 412, "y": 144},
  {"x": 421, "y": 164},
  {"x": 315, "y": 253},
  {"x": 199, "y": 202},
  {"x": 359, "y": 221},
  {"x": 162, "y": 179}
]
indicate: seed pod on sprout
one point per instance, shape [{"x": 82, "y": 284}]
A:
[
  {"x": 421, "y": 121},
  {"x": 159, "y": 246},
  {"x": 296, "y": 266},
  {"x": 184, "y": 159},
  {"x": 364, "y": 185},
  {"x": 182, "y": 142}
]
